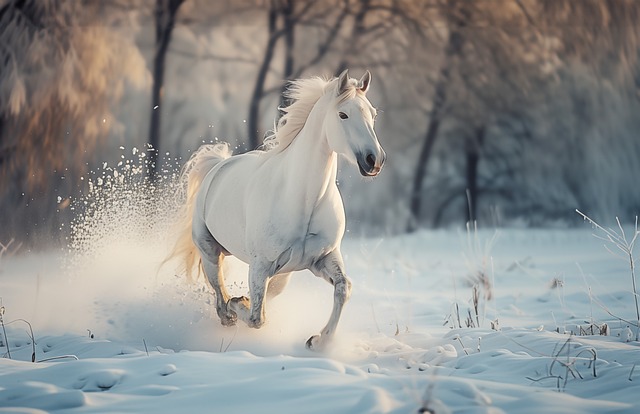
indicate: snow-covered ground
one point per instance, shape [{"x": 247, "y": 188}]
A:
[{"x": 157, "y": 346}]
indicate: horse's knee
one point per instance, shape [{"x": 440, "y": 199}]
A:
[{"x": 343, "y": 289}]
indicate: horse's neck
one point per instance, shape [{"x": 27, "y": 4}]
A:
[{"x": 313, "y": 165}]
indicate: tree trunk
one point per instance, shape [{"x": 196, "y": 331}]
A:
[
  {"x": 2, "y": 149},
  {"x": 454, "y": 46},
  {"x": 415, "y": 205},
  {"x": 165, "y": 15},
  {"x": 258, "y": 90},
  {"x": 472, "y": 160},
  {"x": 289, "y": 40},
  {"x": 472, "y": 186}
]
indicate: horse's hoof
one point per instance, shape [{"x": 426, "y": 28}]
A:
[
  {"x": 227, "y": 316},
  {"x": 229, "y": 319},
  {"x": 313, "y": 343},
  {"x": 257, "y": 324}
]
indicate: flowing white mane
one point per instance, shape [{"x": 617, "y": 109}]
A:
[{"x": 303, "y": 94}]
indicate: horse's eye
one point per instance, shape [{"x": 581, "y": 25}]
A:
[{"x": 342, "y": 115}]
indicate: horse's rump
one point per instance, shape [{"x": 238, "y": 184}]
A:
[{"x": 193, "y": 173}]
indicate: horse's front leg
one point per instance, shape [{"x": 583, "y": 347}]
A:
[
  {"x": 251, "y": 310},
  {"x": 331, "y": 269}
]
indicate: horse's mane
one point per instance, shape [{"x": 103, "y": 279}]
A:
[{"x": 303, "y": 95}]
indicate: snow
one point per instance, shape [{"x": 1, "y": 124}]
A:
[{"x": 157, "y": 346}]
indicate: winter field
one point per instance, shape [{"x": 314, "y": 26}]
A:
[
  {"x": 114, "y": 332},
  {"x": 157, "y": 347}
]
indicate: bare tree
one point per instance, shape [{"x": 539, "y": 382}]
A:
[
  {"x": 457, "y": 17},
  {"x": 495, "y": 64},
  {"x": 165, "y": 14},
  {"x": 343, "y": 32},
  {"x": 259, "y": 86},
  {"x": 283, "y": 16}
]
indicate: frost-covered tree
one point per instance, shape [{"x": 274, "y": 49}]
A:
[
  {"x": 541, "y": 113},
  {"x": 601, "y": 34},
  {"x": 589, "y": 119},
  {"x": 63, "y": 64}
]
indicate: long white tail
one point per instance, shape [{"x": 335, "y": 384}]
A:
[{"x": 193, "y": 173}]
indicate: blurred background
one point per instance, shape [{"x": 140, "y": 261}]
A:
[{"x": 508, "y": 112}]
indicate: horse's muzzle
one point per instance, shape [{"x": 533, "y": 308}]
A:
[{"x": 369, "y": 164}]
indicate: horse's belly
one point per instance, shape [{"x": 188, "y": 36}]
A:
[{"x": 298, "y": 254}]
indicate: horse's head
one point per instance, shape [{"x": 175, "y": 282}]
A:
[{"x": 349, "y": 125}]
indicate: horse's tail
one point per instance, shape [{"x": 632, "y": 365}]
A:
[{"x": 193, "y": 173}]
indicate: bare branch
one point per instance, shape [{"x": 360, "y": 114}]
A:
[{"x": 212, "y": 56}]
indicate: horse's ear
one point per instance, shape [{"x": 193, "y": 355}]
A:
[
  {"x": 343, "y": 81},
  {"x": 364, "y": 82}
]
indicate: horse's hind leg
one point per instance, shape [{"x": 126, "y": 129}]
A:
[
  {"x": 212, "y": 258},
  {"x": 331, "y": 269}
]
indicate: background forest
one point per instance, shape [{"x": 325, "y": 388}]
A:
[{"x": 509, "y": 112}]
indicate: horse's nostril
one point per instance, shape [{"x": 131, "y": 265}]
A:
[{"x": 371, "y": 160}]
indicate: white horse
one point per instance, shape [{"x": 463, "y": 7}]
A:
[{"x": 279, "y": 209}]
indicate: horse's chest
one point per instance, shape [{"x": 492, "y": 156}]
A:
[{"x": 296, "y": 241}]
